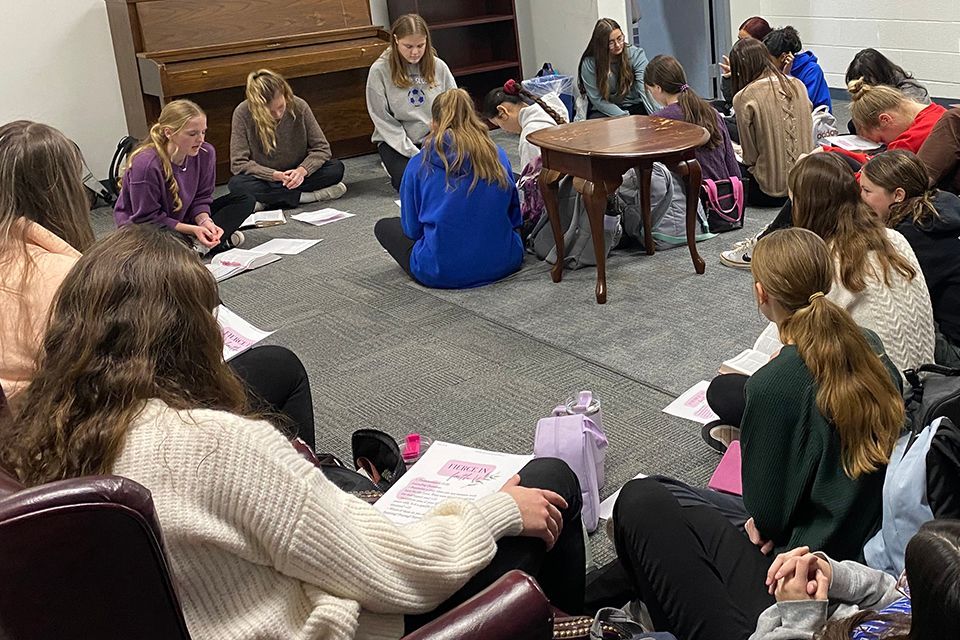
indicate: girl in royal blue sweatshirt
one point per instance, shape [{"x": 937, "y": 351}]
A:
[{"x": 460, "y": 212}]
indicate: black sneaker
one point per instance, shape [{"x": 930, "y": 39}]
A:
[{"x": 718, "y": 435}]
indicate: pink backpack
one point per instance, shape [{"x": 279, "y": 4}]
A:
[{"x": 574, "y": 434}]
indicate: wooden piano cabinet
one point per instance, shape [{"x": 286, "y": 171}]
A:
[{"x": 203, "y": 51}]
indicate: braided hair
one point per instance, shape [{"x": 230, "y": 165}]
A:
[{"x": 513, "y": 92}]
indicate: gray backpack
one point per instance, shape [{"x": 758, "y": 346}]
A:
[
  {"x": 668, "y": 209},
  {"x": 577, "y": 239}
]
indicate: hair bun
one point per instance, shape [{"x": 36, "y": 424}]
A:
[
  {"x": 857, "y": 88},
  {"x": 511, "y": 88}
]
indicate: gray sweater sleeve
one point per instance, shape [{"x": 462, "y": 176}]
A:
[
  {"x": 387, "y": 128},
  {"x": 853, "y": 587}
]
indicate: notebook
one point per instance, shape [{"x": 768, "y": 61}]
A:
[
  {"x": 726, "y": 478},
  {"x": 230, "y": 263},
  {"x": 749, "y": 360}
]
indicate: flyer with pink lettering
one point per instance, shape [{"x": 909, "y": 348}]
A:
[{"x": 448, "y": 472}]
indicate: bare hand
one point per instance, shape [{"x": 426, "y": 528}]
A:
[
  {"x": 725, "y": 67},
  {"x": 539, "y": 509},
  {"x": 293, "y": 178},
  {"x": 786, "y": 564},
  {"x": 786, "y": 60},
  {"x": 766, "y": 546},
  {"x": 806, "y": 581},
  {"x": 212, "y": 227},
  {"x": 205, "y": 236}
]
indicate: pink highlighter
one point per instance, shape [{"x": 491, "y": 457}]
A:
[{"x": 413, "y": 447}]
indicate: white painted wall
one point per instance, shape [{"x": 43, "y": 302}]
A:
[
  {"x": 922, "y": 37},
  {"x": 58, "y": 68},
  {"x": 561, "y": 30}
]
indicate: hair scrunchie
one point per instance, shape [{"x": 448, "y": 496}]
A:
[
  {"x": 511, "y": 88},
  {"x": 818, "y": 294},
  {"x": 684, "y": 87}
]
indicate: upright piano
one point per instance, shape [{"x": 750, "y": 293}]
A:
[{"x": 203, "y": 50}]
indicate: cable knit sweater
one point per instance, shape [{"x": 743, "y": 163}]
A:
[
  {"x": 262, "y": 545},
  {"x": 774, "y": 131},
  {"x": 900, "y": 314}
]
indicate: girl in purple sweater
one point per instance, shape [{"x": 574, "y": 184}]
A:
[
  {"x": 170, "y": 179},
  {"x": 667, "y": 83}
]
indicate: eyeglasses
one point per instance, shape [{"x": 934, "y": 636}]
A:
[
  {"x": 616, "y": 42},
  {"x": 902, "y": 585}
]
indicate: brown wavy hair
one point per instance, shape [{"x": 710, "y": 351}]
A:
[
  {"x": 40, "y": 181},
  {"x": 459, "y": 131},
  {"x": 932, "y": 562},
  {"x": 133, "y": 321},
  {"x": 262, "y": 87},
  {"x": 750, "y": 60},
  {"x": 902, "y": 169},
  {"x": 826, "y": 200},
  {"x": 599, "y": 50},
  {"x": 668, "y": 73},
  {"x": 174, "y": 115},
  {"x": 411, "y": 24},
  {"x": 854, "y": 389}
]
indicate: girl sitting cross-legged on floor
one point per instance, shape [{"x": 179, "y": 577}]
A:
[
  {"x": 819, "y": 424},
  {"x": 460, "y": 212},
  {"x": 278, "y": 153},
  {"x": 169, "y": 182},
  {"x": 131, "y": 381}
]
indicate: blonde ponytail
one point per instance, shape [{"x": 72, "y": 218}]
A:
[
  {"x": 175, "y": 115},
  {"x": 869, "y": 101},
  {"x": 854, "y": 389}
]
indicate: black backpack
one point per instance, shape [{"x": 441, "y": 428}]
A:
[
  {"x": 112, "y": 183},
  {"x": 934, "y": 391}
]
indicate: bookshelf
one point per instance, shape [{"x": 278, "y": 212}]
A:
[{"x": 477, "y": 39}]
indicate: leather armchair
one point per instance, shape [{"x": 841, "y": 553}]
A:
[{"x": 84, "y": 558}]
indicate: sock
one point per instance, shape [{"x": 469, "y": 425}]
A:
[{"x": 306, "y": 197}]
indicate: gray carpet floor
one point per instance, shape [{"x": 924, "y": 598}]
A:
[{"x": 481, "y": 366}]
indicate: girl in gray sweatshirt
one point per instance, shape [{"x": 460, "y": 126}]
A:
[{"x": 401, "y": 86}]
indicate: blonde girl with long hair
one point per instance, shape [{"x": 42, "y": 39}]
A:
[
  {"x": 401, "y": 87},
  {"x": 169, "y": 182},
  {"x": 132, "y": 382},
  {"x": 460, "y": 212},
  {"x": 44, "y": 225},
  {"x": 278, "y": 153},
  {"x": 820, "y": 422},
  {"x": 610, "y": 73}
]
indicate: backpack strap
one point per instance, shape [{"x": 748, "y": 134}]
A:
[{"x": 713, "y": 198}]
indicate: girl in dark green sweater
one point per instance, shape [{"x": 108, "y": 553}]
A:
[{"x": 820, "y": 422}]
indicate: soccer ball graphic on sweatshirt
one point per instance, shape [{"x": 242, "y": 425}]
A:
[{"x": 416, "y": 97}]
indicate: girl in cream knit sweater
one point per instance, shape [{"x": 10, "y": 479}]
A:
[{"x": 131, "y": 381}]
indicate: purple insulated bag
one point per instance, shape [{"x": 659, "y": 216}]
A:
[
  {"x": 574, "y": 434},
  {"x": 723, "y": 201}
]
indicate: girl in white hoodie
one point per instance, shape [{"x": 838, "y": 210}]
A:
[{"x": 517, "y": 111}]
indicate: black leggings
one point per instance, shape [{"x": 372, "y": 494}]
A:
[
  {"x": 698, "y": 573},
  {"x": 274, "y": 194},
  {"x": 757, "y": 197},
  {"x": 394, "y": 161},
  {"x": 560, "y": 571},
  {"x": 278, "y": 387},
  {"x": 390, "y": 235},
  {"x": 228, "y": 213},
  {"x": 726, "y": 396}
]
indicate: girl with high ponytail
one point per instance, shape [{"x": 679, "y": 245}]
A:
[
  {"x": 278, "y": 153},
  {"x": 169, "y": 182},
  {"x": 820, "y": 422},
  {"x": 460, "y": 213},
  {"x": 666, "y": 81},
  {"x": 894, "y": 186}
]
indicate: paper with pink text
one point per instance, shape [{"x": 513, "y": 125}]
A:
[
  {"x": 692, "y": 404},
  {"x": 448, "y": 472},
  {"x": 238, "y": 334}
]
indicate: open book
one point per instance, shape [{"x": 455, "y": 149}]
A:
[
  {"x": 851, "y": 143},
  {"x": 749, "y": 360},
  {"x": 448, "y": 472},
  {"x": 264, "y": 219},
  {"x": 230, "y": 263}
]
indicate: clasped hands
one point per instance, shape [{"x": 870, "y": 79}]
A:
[{"x": 292, "y": 178}]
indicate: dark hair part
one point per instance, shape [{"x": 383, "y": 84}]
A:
[
  {"x": 133, "y": 320},
  {"x": 498, "y": 96},
  {"x": 781, "y": 41},
  {"x": 667, "y": 73},
  {"x": 749, "y": 60},
  {"x": 875, "y": 68},
  {"x": 757, "y": 27},
  {"x": 902, "y": 169},
  {"x": 932, "y": 562},
  {"x": 599, "y": 49},
  {"x": 826, "y": 200}
]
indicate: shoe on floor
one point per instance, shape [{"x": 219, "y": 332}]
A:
[
  {"x": 331, "y": 193},
  {"x": 236, "y": 239},
  {"x": 259, "y": 206},
  {"x": 718, "y": 436},
  {"x": 739, "y": 256}
]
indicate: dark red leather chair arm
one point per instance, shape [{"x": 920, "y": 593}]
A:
[{"x": 514, "y": 607}]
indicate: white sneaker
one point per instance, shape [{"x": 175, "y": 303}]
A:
[
  {"x": 332, "y": 192},
  {"x": 236, "y": 239},
  {"x": 739, "y": 256}
]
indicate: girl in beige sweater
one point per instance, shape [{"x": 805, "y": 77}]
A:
[{"x": 131, "y": 381}]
